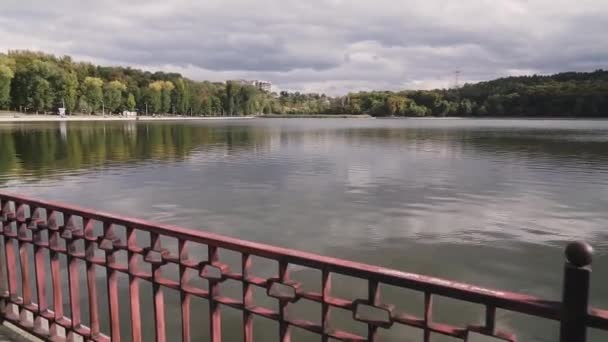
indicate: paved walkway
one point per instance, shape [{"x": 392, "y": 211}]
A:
[{"x": 8, "y": 335}]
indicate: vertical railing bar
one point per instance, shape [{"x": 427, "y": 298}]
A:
[
  {"x": 428, "y": 315},
  {"x": 134, "y": 295},
  {"x": 215, "y": 319},
  {"x": 26, "y": 289},
  {"x": 112, "y": 285},
  {"x": 55, "y": 274},
  {"x": 9, "y": 251},
  {"x": 325, "y": 307},
  {"x": 24, "y": 265},
  {"x": 3, "y": 279},
  {"x": 91, "y": 277},
  {"x": 73, "y": 285},
  {"x": 2, "y": 274},
  {"x": 284, "y": 329},
  {"x": 159, "y": 301},
  {"x": 39, "y": 269},
  {"x": 247, "y": 299},
  {"x": 490, "y": 319},
  {"x": 373, "y": 296},
  {"x": 184, "y": 297}
]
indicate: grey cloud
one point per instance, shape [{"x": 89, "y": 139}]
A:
[{"x": 322, "y": 45}]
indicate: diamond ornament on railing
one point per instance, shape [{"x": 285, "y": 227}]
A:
[
  {"x": 213, "y": 272},
  {"x": 379, "y": 316},
  {"x": 282, "y": 291}
]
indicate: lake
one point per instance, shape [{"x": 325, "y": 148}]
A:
[{"x": 489, "y": 202}]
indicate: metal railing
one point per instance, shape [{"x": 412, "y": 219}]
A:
[{"x": 48, "y": 231}]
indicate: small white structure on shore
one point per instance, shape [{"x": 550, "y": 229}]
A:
[{"x": 128, "y": 114}]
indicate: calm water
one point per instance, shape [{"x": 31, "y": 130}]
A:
[{"x": 491, "y": 202}]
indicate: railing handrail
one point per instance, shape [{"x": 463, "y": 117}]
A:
[{"x": 511, "y": 301}]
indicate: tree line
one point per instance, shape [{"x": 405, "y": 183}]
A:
[
  {"x": 570, "y": 94},
  {"x": 39, "y": 82}
]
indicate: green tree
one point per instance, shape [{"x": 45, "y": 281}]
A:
[
  {"x": 216, "y": 105},
  {"x": 154, "y": 96},
  {"x": 206, "y": 105},
  {"x": 30, "y": 87},
  {"x": 482, "y": 110},
  {"x": 465, "y": 107},
  {"x": 67, "y": 92},
  {"x": 131, "y": 102},
  {"x": 83, "y": 105},
  {"x": 41, "y": 94},
  {"x": 113, "y": 95},
  {"x": 397, "y": 104},
  {"x": 247, "y": 100},
  {"x": 496, "y": 104},
  {"x": 231, "y": 106},
  {"x": 196, "y": 100},
  {"x": 93, "y": 93},
  {"x": 353, "y": 107},
  {"x": 378, "y": 108},
  {"x": 230, "y": 93},
  {"x": 6, "y": 75},
  {"x": 428, "y": 99},
  {"x": 441, "y": 108},
  {"x": 414, "y": 109},
  {"x": 181, "y": 96},
  {"x": 166, "y": 90}
]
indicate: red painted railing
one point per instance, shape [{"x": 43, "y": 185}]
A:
[{"x": 51, "y": 231}]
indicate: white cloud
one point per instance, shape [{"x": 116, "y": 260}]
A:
[{"x": 320, "y": 45}]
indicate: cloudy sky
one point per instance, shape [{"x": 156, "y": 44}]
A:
[{"x": 331, "y": 46}]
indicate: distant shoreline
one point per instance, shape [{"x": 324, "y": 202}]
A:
[
  {"x": 316, "y": 116},
  {"x": 7, "y": 117},
  {"x": 492, "y": 118},
  {"x": 17, "y": 117}
]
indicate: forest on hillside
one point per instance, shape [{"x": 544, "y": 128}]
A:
[{"x": 37, "y": 82}]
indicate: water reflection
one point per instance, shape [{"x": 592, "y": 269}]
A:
[
  {"x": 41, "y": 150},
  {"x": 484, "y": 201}
]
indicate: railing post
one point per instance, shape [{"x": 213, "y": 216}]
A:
[{"x": 575, "y": 295}]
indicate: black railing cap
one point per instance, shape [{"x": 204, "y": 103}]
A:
[{"x": 579, "y": 253}]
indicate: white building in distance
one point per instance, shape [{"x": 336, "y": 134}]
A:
[{"x": 262, "y": 85}]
